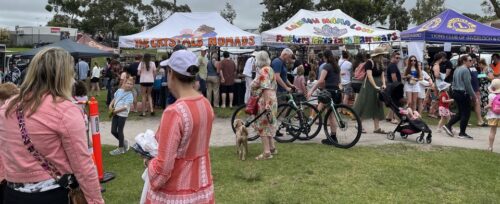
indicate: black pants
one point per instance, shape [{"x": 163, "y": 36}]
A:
[
  {"x": 56, "y": 196},
  {"x": 2, "y": 186},
  {"x": 464, "y": 107},
  {"x": 155, "y": 94},
  {"x": 117, "y": 125}
]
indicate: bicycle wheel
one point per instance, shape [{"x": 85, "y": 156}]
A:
[
  {"x": 240, "y": 113},
  {"x": 347, "y": 129},
  {"x": 311, "y": 121},
  {"x": 288, "y": 124}
]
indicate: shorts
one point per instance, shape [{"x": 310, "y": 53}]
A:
[
  {"x": 147, "y": 84},
  {"x": 336, "y": 96},
  {"x": 226, "y": 89},
  {"x": 444, "y": 112},
  {"x": 94, "y": 80},
  {"x": 347, "y": 89},
  {"x": 494, "y": 122},
  {"x": 415, "y": 88},
  {"x": 422, "y": 93}
]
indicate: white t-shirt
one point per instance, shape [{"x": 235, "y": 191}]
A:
[
  {"x": 96, "y": 72},
  {"x": 345, "y": 71},
  {"x": 247, "y": 70}
]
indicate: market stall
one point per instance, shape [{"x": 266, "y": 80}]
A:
[
  {"x": 326, "y": 28},
  {"x": 87, "y": 40},
  {"x": 451, "y": 27},
  {"x": 76, "y": 50},
  {"x": 194, "y": 29}
]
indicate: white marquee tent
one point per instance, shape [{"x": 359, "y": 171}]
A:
[
  {"x": 194, "y": 29},
  {"x": 326, "y": 27}
]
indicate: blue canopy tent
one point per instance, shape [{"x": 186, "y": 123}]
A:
[
  {"x": 450, "y": 26},
  {"x": 76, "y": 50}
]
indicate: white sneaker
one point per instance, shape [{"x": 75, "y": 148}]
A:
[
  {"x": 125, "y": 145},
  {"x": 117, "y": 151}
]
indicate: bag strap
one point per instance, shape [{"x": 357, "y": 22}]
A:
[
  {"x": 121, "y": 98},
  {"x": 46, "y": 164}
]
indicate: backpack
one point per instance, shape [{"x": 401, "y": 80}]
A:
[
  {"x": 360, "y": 72},
  {"x": 495, "y": 104}
]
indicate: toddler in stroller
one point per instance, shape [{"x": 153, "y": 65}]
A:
[{"x": 410, "y": 121}]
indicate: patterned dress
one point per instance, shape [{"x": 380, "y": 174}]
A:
[{"x": 265, "y": 80}]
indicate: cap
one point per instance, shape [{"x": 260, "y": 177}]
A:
[
  {"x": 203, "y": 48},
  {"x": 181, "y": 60}
]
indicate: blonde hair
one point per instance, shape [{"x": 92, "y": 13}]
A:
[
  {"x": 49, "y": 73},
  {"x": 8, "y": 90},
  {"x": 300, "y": 70}
]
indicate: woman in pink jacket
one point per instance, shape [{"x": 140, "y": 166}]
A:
[
  {"x": 181, "y": 173},
  {"x": 42, "y": 135}
]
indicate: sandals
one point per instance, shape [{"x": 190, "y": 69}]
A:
[
  {"x": 380, "y": 131},
  {"x": 264, "y": 156},
  {"x": 274, "y": 151},
  {"x": 482, "y": 124}
]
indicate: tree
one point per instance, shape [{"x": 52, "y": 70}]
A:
[
  {"x": 4, "y": 36},
  {"x": 159, "y": 10},
  {"x": 61, "y": 20},
  {"x": 491, "y": 6},
  {"x": 228, "y": 13},
  {"x": 112, "y": 17},
  {"x": 425, "y": 10},
  {"x": 279, "y": 11},
  {"x": 365, "y": 11},
  {"x": 398, "y": 17},
  {"x": 70, "y": 9}
]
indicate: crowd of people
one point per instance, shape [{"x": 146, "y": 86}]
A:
[{"x": 51, "y": 143}]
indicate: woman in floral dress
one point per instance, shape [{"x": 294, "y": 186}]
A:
[{"x": 264, "y": 86}]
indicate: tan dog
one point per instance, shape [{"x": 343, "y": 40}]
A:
[{"x": 241, "y": 139}]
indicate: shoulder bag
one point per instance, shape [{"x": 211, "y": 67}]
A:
[{"x": 75, "y": 194}]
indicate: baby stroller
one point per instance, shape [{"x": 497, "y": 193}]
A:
[{"x": 407, "y": 126}]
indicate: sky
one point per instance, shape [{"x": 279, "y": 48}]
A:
[{"x": 248, "y": 12}]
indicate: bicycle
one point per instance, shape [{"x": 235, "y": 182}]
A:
[
  {"x": 344, "y": 118},
  {"x": 286, "y": 121}
]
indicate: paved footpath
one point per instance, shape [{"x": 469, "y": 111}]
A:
[{"x": 222, "y": 135}]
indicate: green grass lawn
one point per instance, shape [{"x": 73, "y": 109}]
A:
[{"x": 314, "y": 173}]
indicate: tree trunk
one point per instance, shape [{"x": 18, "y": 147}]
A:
[{"x": 496, "y": 7}]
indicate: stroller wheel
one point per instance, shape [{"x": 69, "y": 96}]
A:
[
  {"x": 390, "y": 135},
  {"x": 428, "y": 139},
  {"x": 420, "y": 140}
]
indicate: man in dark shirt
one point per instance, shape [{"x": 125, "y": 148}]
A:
[
  {"x": 446, "y": 67},
  {"x": 228, "y": 75},
  {"x": 279, "y": 67},
  {"x": 132, "y": 70},
  {"x": 393, "y": 73}
]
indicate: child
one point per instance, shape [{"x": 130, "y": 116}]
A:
[
  {"x": 492, "y": 117},
  {"x": 7, "y": 90},
  {"x": 120, "y": 108},
  {"x": 405, "y": 110},
  {"x": 157, "y": 86},
  {"x": 444, "y": 104},
  {"x": 300, "y": 82},
  {"x": 80, "y": 94},
  {"x": 310, "y": 84}
]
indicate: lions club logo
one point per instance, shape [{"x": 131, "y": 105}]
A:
[
  {"x": 461, "y": 25},
  {"x": 434, "y": 23}
]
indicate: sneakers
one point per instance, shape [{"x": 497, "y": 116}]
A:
[
  {"x": 465, "y": 136},
  {"x": 126, "y": 146},
  {"x": 328, "y": 142},
  {"x": 117, "y": 151},
  {"x": 448, "y": 130}
]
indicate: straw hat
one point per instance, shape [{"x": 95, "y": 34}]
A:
[
  {"x": 495, "y": 86},
  {"x": 379, "y": 51},
  {"x": 443, "y": 86}
]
